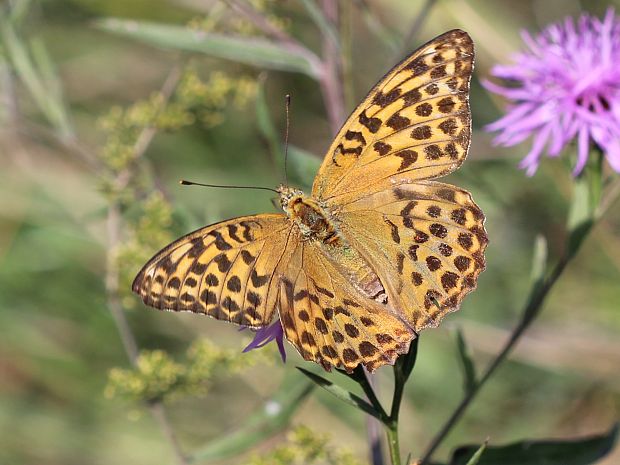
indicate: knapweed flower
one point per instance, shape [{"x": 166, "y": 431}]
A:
[
  {"x": 267, "y": 334},
  {"x": 565, "y": 86}
]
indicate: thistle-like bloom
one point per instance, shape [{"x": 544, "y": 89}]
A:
[
  {"x": 267, "y": 334},
  {"x": 564, "y": 87}
]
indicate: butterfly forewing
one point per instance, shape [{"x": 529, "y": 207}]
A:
[
  {"x": 332, "y": 323},
  {"x": 226, "y": 270},
  {"x": 414, "y": 122}
]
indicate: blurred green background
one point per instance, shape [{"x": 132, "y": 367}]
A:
[{"x": 58, "y": 338}]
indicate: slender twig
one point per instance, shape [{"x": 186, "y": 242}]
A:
[
  {"x": 346, "y": 47},
  {"x": 114, "y": 227},
  {"x": 113, "y": 230},
  {"x": 373, "y": 425},
  {"x": 538, "y": 295},
  {"x": 330, "y": 80},
  {"x": 147, "y": 134}
]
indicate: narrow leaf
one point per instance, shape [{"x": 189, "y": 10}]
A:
[
  {"x": 585, "y": 202},
  {"x": 302, "y": 165},
  {"x": 21, "y": 60},
  {"x": 342, "y": 393},
  {"x": 272, "y": 417},
  {"x": 539, "y": 259},
  {"x": 583, "y": 451},
  {"x": 253, "y": 51},
  {"x": 466, "y": 362},
  {"x": 266, "y": 125},
  {"x": 538, "y": 273},
  {"x": 580, "y": 219},
  {"x": 405, "y": 363},
  {"x": 475, "y": 459}
]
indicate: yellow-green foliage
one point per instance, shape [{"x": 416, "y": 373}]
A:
[
  {"x": 193, "y": 100},
  {"x": 157, "y": 376},
  {"x": 225, "y": 20},
  {"x": 148, "y": 233},
  {"x": 305, "y": 447}
]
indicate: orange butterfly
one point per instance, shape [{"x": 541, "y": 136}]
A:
[{"x": 376, "y": 253}]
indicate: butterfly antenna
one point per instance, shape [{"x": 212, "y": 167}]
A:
[
  {"x": 191, "y": 183},
  {"x": 287, "y": 106}
]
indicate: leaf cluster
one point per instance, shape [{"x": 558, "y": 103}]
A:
[{"x": 157, "y": 376}]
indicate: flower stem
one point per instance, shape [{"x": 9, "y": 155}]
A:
[
  {"x": 392, "y": 436},
  {"x": 539, "y": 293},
  {"x": 582, "y": 218}
]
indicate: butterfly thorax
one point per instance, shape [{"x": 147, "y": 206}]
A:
[{"x": 316, "y": 223}]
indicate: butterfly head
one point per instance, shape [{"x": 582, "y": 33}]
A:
[{"x": 289, "y": 196}]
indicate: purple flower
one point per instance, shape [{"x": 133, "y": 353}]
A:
[
  {"x": 267, "y": 334},
  {"x": 565, "y": 86}
]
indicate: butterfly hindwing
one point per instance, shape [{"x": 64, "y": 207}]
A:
[
  {"x": 330, "y": 322},
  {"x": 225, "y": 270},
  {"x": 426, "y": 241},
  {"x": 414, "y": 122}
]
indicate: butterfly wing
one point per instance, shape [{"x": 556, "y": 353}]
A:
[
  {"x": 425, "y": 240},
  {"x": 225, "y": 270},
  {"x": 332, "y": 323},
  {"x": 415, "y": 122}
]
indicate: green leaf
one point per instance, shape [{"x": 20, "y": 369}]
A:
[
  {"x": 580, "y": 219},
  {"x": 263, "y": 424},
  {"x": 539, "y": 260},
  {"x": 475, "y": 459},
  {"x": 22, "y": 60},
  {"x": 467, "y": 364},
  {"x": 537, "y": 274},
  {"x": 585, "y": 202},
  {"x": 342, "y": 393},
  {"x": 266, "y": 126},
  {"x": 253, "y": 51},
  {"x": 405, "y": 363},
  {"x": 584, "y": 451},
  {"x": 302, "y": 165}
]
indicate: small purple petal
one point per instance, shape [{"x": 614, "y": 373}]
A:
[
  {"x": 266, "y": 335},
  {"x": 531, "y": 160}
]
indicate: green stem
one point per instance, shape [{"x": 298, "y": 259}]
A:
[
  {"x": 538, "y": 296},
  {"x": 582, "y": 218},
  {"x": 392, "y": 436}
]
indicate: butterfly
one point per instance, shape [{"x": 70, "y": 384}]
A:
[{"x": 378, "y": 252}]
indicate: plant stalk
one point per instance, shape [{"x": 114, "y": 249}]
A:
[
  {"x": 577, "y": 234},
  {"x": 393, "y": 445}
]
